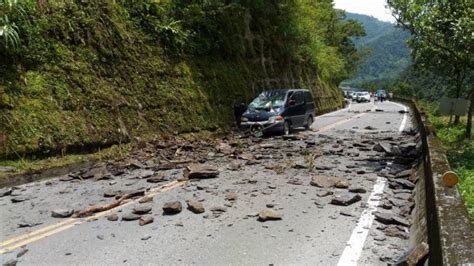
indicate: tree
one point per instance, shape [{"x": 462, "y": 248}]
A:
[
  {"x": 442, "y": 40},
  {"x": 8, "y": 30}
]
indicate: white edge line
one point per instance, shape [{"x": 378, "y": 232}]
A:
[
  {"x": 354, "y": 246},
  {"x": 404, "y": 121}
]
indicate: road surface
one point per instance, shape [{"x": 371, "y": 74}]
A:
[{"x": 270, "y": 173}]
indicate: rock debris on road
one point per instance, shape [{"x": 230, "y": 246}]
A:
[{"x": 301, "y": 195}]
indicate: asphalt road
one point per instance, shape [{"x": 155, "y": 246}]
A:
[{"x": 311, "y": 231}]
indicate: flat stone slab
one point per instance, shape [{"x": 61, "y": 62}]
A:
[
  {"x": 200, "y": 171},
  {"x": 345, "y": 199},
  {"x": 269, "y": 215},
  {"x": 62, "y": 213},
  {"x": 172, "y": 207}
]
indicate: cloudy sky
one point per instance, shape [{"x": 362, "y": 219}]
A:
[{"x": 375, "y": 8}]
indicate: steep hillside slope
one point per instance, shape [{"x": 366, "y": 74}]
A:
[
  {"x": 90, "y": 74},
  {"x": 387, "y": 52}
]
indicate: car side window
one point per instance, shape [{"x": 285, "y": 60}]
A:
[
  {"x": 308, "y": 97},
  {"x": 299, "y": 98}
]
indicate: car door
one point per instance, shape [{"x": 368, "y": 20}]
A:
[
  {"x": 299, "y": 110},
  {"x": 309, "y": 105}
]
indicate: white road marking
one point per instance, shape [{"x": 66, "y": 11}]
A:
[
  {"x": 404, "y": 121},
  {"x": 354, "y": 246},
  {"x": 340, "y": 110}
]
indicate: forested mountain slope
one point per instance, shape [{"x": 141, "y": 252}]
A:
[
  {"x": 92, "y": 73},
  {"x": 387, "y": 54}
]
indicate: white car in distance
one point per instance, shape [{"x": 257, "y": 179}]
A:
[{"x": 363, "y": 96}]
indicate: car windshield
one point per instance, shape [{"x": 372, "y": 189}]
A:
[{"x": 268, "y": 100}]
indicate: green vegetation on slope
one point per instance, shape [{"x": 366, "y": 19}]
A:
[
  {"x": 460, "y": 153},
  {"x": 93, "y": 73},
  {"x": 386, "y": 53},
  {"x": 421, "y": 84}
]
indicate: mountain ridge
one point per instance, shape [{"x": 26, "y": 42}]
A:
[{"x": 387, "y": 54}]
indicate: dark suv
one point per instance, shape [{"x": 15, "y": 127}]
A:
[{"x": 278, "y": 111}]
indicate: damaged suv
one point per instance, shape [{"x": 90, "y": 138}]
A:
[{"x": 279, "y": 111}]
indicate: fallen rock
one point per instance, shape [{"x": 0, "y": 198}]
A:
[
  {"x": 418, "y": 254},
  {"x": 66, "y": 178},
  {"x": 22, "y": 252},
  {"x": 145, "y": 220},
  {"x": 395, "y": 231},
  {"x": 195, "y": 206},
  {"x": 173, "y": 207},
  {"x": 386, "y": 205},
  {"x": 322, "y": 181},
  {"x": 95, "y": 172},
  {"x": 218, "y": 209},
  {"x": 323, "y": 167},
  {"x": 404, "y": 173},
  {"x": 405, "y": 183},
  {"x": 324, "y": 193},
  {"x": 19, "y": 199},
  {"x": 200, "y": 171},
  {"x": 383, "y": 147},
  {"x": 390, "y": 218},
  {"x": 23, "y": 224},
  {"x": 5, "y": 192},
  {"x": 357, "y": 190},
  {"x": 143, "y": 173},
  {"x": 300, "y": 165},
  {"x": 140, "y": 210},
  {"x": 145, "y": 238},
  {"x": 145, "y": 199},
  {"x": 130, "y": 217},
  {"x": 225, "y": 148},
  {"x": 346, "y": 213},
  {"x": 341, "y": 184},
  {"x": 295, "y": 181},
  {"x": 112, "y": 217},
  {"x": 11, "y": 262},
  {"x": 231, "y": 196},
  {"x": 156, "y": 179},
  {"x": 62, "y": 213},
  {"x": 290, "y": 137},
  {"x": 269, "y": 215},
  {"x": 383, "y": 217},
  {"x": 110, "y": 194},
  {"x": 400, "y": 221},
  {"x": 345, "y": 199},
  {"x": 235, "y": 165}
]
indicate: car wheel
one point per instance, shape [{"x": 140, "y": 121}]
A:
[
  {"x": 286, "y": 128},
  {"x": 309, "y": 123}
]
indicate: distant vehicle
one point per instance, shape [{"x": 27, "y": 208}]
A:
[
  {"x": 352, "y": 95},
  {"x": 381, "y": 95},
  {"x": 279, "y": 111},
  {"x": 363, "y": 96}
]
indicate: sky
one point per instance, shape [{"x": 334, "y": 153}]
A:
[{"x": 375, "y": 8}]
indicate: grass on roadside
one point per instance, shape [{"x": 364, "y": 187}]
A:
[
  {"x": 460, "y": 152},
  {"x": 27, "y": 165}
]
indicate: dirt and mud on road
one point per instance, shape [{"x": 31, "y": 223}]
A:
[{"x": 339, "y": 194}]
